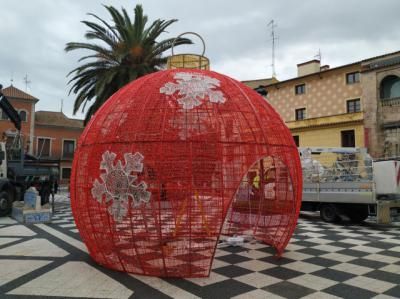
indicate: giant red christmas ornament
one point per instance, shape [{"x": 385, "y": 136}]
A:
[{"x": 175, "y": 159}]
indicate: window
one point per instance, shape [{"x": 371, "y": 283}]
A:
[
  {"x": 296, "y": 140},
  {"x": 68, "y": 148},
  {"x": 348, "y": 138},
  {"x": 300, "y": 89},
  {"x": 65, "y": 173},
  {"x": 353, "y": 77},
  {"x": 300, "y": 113},
  {"x": 390, "y": 87},
  {"x": 13, "y": 153},
  {"x": 23, "y": 115},
  {"x": 353, "y": 106},
  {"x": 43, "y": 147}
]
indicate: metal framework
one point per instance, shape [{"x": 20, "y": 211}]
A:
[{"x": 175, "y": 159}]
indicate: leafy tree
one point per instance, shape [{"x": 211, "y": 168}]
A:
[{"x": 124, "y": 52}]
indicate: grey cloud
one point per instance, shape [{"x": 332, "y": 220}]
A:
[{"x": 34, "y": 33}]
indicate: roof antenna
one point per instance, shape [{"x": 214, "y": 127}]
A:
[
  {"x": 319, "y": 55},
  {"x": 27, "y": 82},
  {"x": 62, "y": 104},
  {"x": 273, "y": 38},
  {"x": 12, "y": 78}
]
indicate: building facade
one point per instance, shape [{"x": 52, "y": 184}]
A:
[
  {"x": 351, "y": 105},
  {"x": 381, "y": 93},
  {"x": 56, "y": 139},
  {"x": 47, "y": 135},
  {"x": 25, "y": 105}
]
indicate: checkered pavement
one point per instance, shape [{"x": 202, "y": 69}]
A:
[
  {"x": 63, "y": 218},
  {"x": 321, "y": 261}
]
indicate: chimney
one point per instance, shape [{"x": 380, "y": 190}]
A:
[
  {"x": 308, "y": 67},
  {"x": 324, "y": 67}
]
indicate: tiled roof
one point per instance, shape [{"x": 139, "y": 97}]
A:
[
  {"x": 13, "y": 92},
  {"x": 381, "y": 56},
  {"x": 360, "y": 62},
  {"x": 50, "y": 118},
  {"x": 259, "y": 82},
  {"x": 384, "y": 63}
]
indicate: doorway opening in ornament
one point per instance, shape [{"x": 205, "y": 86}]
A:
[{"x": 264, "y": 206}]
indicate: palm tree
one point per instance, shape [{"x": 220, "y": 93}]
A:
[{"x": 126, "y": 51}]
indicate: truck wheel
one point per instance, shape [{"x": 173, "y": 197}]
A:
[
  {"x": 328, "y": 213},
  {"x": 5, "y": 203},
  {"x": 357, "y": 213}
]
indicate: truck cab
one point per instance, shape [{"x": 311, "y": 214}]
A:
[
  {"x": 7, "y": 189},
  {"x": 3, "y": 160}
]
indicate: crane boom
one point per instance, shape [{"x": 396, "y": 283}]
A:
[{"x": 9, "y": 110}]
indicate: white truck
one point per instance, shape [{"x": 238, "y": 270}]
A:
[
  {"x": 18, "y": 170},
  {"x": 346, "y": 182}
]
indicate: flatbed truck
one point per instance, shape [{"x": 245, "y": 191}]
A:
[{"x": 347, "y": 182}]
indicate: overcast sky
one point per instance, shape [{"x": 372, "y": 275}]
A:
[{"x": 33, "y": 34}]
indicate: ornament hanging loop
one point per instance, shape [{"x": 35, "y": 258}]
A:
[
  {"x": 186, "y": 33},
  {"x": 188, "y": 61}
]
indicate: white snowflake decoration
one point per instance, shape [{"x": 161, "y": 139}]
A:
[
  {"x": 118, "y": 184},
  {"x": 194, "y": 88}
]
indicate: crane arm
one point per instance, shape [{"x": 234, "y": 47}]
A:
[{"x": 9, "y": 110}]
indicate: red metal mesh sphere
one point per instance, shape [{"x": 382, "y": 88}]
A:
[{"x": 175, "y": 159}]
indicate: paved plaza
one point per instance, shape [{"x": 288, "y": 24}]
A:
[{"x": 322, "y": 261}]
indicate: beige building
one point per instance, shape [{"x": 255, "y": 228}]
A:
[{"x": 356, "y": 104}]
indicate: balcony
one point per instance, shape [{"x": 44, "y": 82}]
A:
[
  {"x": 323, "y": 121},
  {"x": 390, "y": 102}
]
